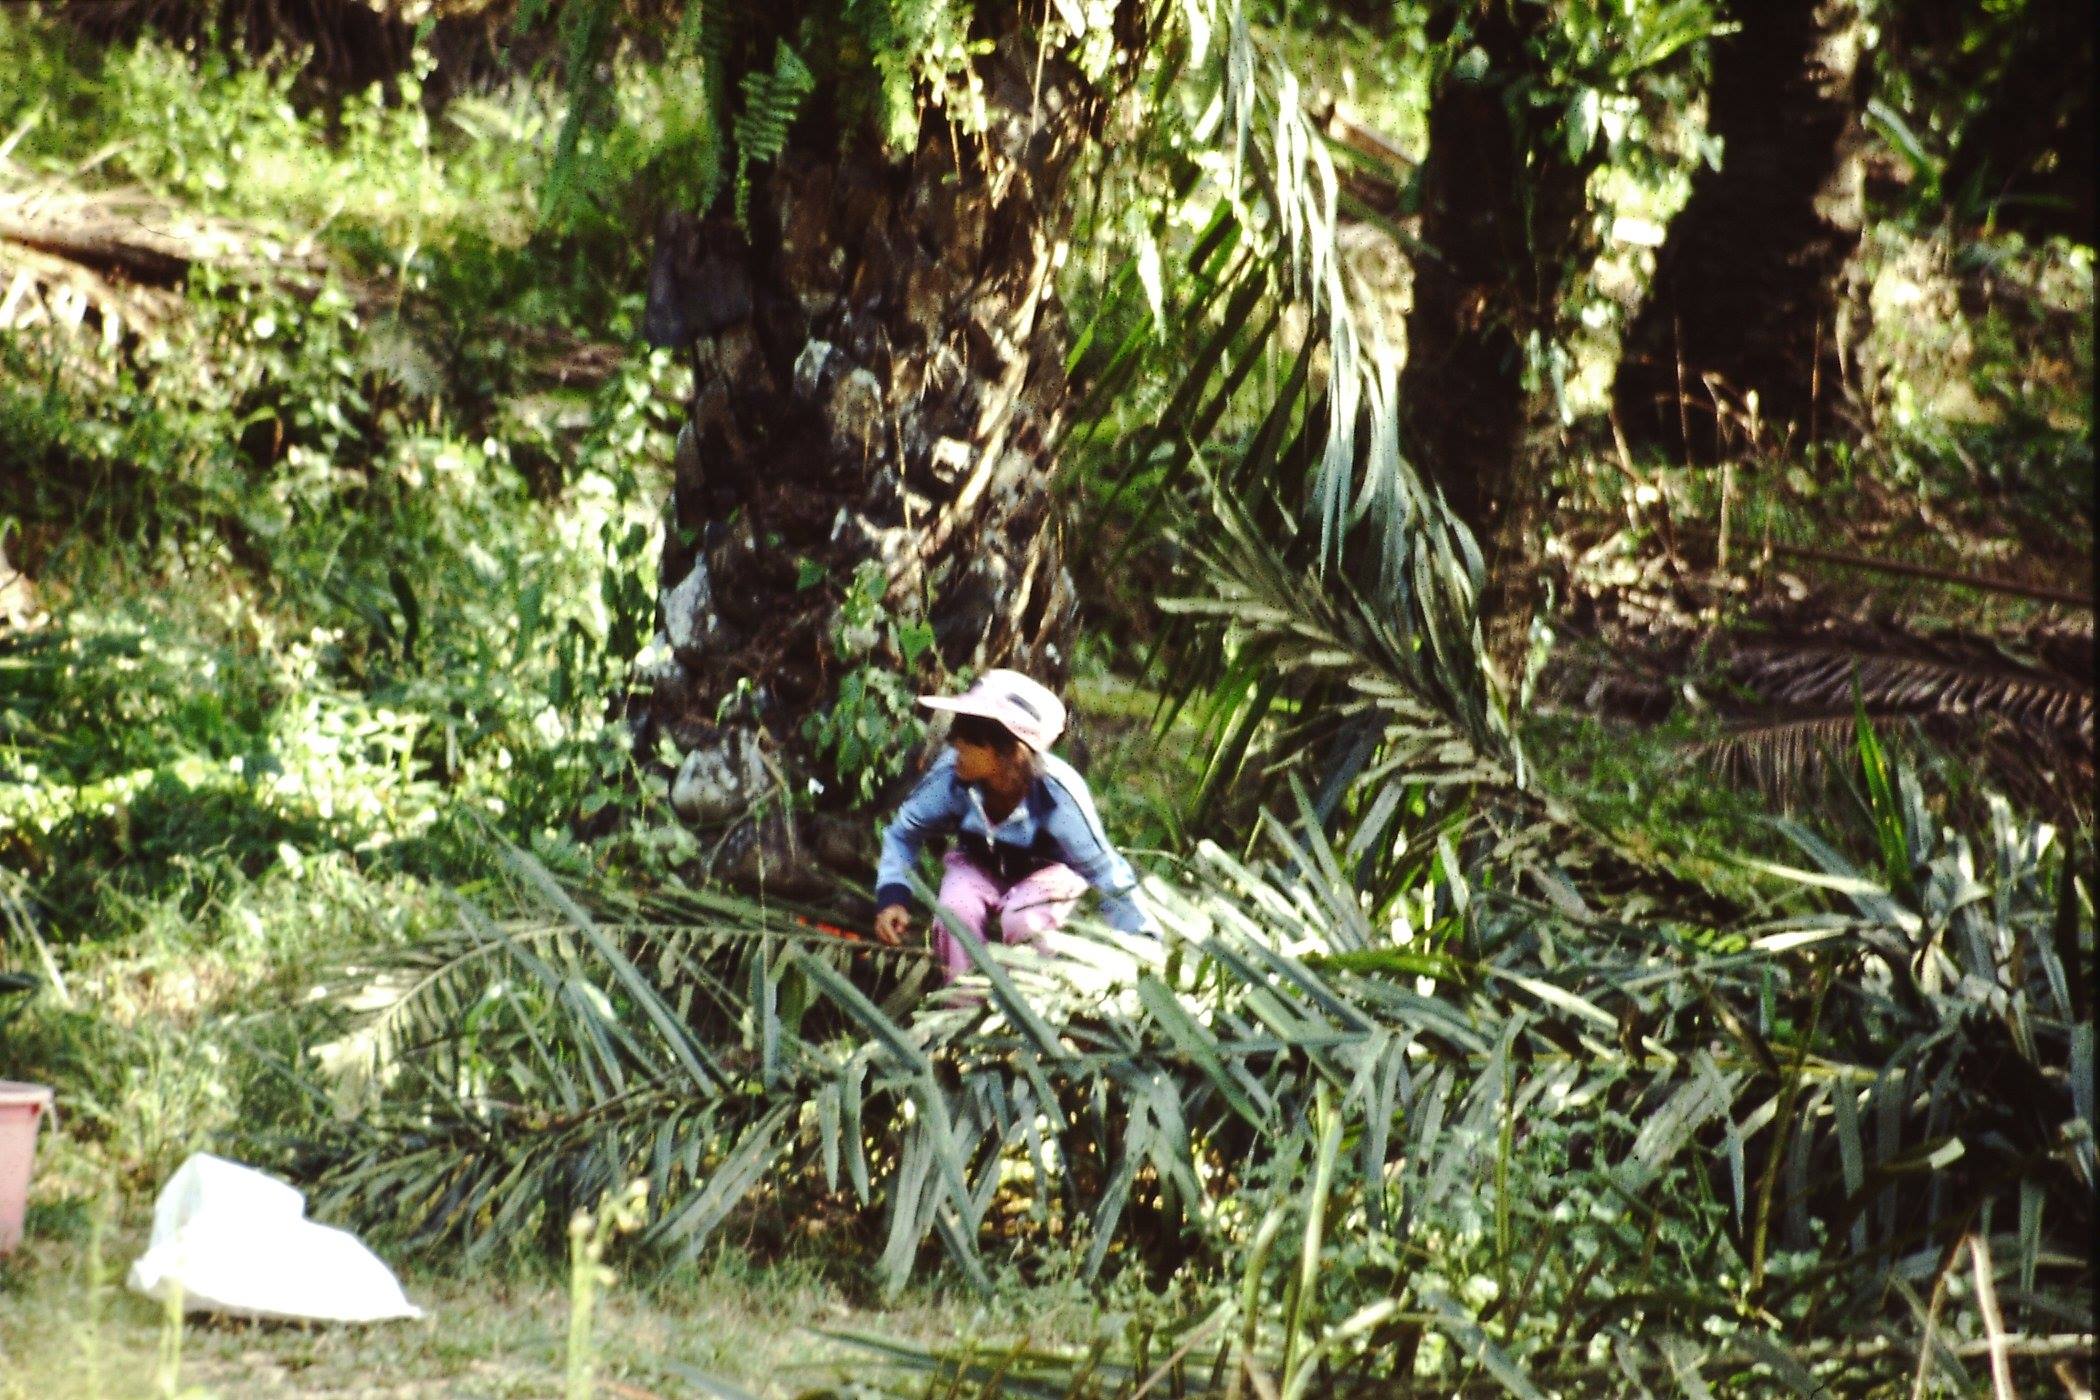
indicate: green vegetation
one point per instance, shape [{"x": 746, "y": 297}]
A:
[
  {"x": 1682, "y": 991},
  {"x": 323, "y": 620}
]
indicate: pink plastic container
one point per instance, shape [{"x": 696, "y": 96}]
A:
[{"x": 22, "y": 1110}]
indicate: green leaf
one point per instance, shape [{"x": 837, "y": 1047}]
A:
[
  {"x": 855, "y": 1003},
  {"x": 1191, "y": 1039},
  {"x": 1473, "y": 1341},
  {"x": 913, "y": 640},
  {"x": 1582, "y": 122},
  {"x": 689, "y": 1227}
]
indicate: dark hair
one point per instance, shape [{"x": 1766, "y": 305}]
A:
[{"x": 976, "y": 729}]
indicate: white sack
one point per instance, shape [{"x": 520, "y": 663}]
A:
[{"x": 237, "y": 1241}]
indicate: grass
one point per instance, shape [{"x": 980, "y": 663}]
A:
[
  {"x": 1636, "y": 783},
  {"x": 495, "y": 1332},
  {"x": 1140, "y": 777}
]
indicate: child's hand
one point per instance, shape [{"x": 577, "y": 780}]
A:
[{"x": 892, "y": 923}]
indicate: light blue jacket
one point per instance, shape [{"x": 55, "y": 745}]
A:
[{"x": 1053, "y": 824}]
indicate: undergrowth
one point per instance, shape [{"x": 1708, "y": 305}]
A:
[{"x": 320, "y": 618}]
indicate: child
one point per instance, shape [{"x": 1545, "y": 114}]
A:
[{"x": 1028, "y": 841}]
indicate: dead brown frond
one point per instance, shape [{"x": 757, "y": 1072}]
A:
[
  {"x": 41, "y": 290},
  {"x": 1788, "y": 681},
  {"x": 2021, "y": 713},
  {"x": 1779, "y": 758},
  {"x": 1895, "y": 673},
  {"x": 111, "y": 263}
]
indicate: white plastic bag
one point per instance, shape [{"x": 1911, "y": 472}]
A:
[{"x": 237, "y": 1241}]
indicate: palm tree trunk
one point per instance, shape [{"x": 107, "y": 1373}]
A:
[
  {"x": 1504, "y": 230},
  {"x": 878, "y": 376},
  {"x": 1747, "y": 296}
]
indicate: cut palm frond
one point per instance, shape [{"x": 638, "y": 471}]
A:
[
  {"x": 1902, "y": 674},
  {"x": 1331, "y": 661},
  {"x": 1779, "y": 758},
  {"x": 1787, "y": 681},
  {"x": 1395, "y": 738},
  {"x": 1289, "y": 402},
  {"x": 1822, "y": 1102}
]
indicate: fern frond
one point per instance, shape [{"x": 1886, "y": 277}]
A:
[
  {"x": 587, "y": 34},
  {"x": 771, "y": 100}
]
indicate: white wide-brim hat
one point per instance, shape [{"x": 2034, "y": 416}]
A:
[{"x": 1028, "y": 710}]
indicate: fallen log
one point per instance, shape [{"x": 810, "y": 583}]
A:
[{"x": 103, "y": 248}]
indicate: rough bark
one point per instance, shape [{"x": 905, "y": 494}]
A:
[
  {"x": 879, "y": 375},
  {"x": 1504, "y": 230},
  {"x": 1748, "y": 295}
]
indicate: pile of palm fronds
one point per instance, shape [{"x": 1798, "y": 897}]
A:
[
  {"x": 65, "y": 273},
  {"x": 1526, "y": 1122},
  {"x": 1560, "y": 1146}
]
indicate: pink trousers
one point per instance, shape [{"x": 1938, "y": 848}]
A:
[{"x": 1027, "y": 909}]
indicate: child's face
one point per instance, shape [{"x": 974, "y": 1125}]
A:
[{"x": 975, "y": 762}]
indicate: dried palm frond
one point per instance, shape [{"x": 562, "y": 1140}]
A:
[
  {"x": 114, "y": 260},
  {"x": 41, "y": 291},
  {"x": 1782, "y": 757},
  {"x": 1794, "y": 761},
  {"x": 1787, "y": 681},
  {"x": 127, "y": 231},
  {"x": 2024, "y": 714},
  {"x": 1893, "y": 673}
]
